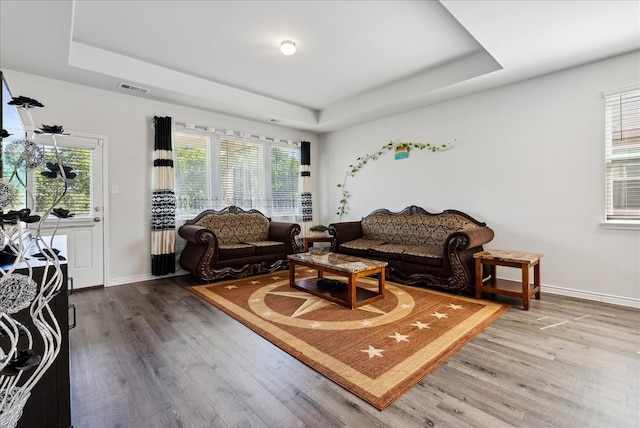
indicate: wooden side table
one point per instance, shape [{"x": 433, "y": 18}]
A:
[
  {"x": 319, "y": 238},
  {"x": 515, "y": 259}
]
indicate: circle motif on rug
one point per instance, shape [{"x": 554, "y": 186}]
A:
[{"x": 258, "y": 305}]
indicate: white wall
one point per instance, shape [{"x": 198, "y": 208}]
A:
[
  {"x": 127, "y": 122},
  {"x": 529, "y": 161}
]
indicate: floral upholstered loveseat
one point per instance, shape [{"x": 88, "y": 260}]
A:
[
  {"x": 236, "y": 243},
  {"x": 419, "y": 247}
]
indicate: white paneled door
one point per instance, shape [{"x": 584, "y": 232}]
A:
[
  {"x": 85, "y": 252},
  {"x": 85, "y": 231}
]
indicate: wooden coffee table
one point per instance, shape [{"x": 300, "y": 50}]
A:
[{"x": 351, "y": 295}]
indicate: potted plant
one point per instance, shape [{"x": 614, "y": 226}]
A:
[{"x": 318, "y": 230}]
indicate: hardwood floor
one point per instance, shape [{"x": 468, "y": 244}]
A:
[{"x": 151, "y": 354}]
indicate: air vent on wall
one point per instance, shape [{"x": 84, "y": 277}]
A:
[{"x": 133, "y": 88}]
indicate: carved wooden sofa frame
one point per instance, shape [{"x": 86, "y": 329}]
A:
[
  {"x": 420, "y": 247},
  {"x": 236, "y": 243}
]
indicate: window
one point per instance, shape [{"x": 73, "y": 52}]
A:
[
  {"x": 30, "y": 188},
  {"x": 242, "y": 175},
  {"x": 78, "y": 200},
  {"x": 14, "y": 173},
  {"x": 192, "y": 169},
  {"x": 285, "y": 179},
  {"x": 622, "y": 156},
  {"x": 215, "y": 171}
]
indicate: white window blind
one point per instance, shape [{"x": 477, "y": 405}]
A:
[
  {"x": 46, "y": 186},
  {"x": 285, "y": 180},
  {"x": 622, "y": 154},
  {"x": 214, "y": 171},
  {"x": 242, "y": 174},
  {"x": 192, "y": 178},
  {"x": 38, "y": 191}
]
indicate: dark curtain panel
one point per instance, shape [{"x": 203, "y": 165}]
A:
[
  {"x": 305, "y": 173},
  {"x": 163, "y": 202}
]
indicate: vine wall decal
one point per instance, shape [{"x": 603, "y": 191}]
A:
[{"x": 363, "y": 160}]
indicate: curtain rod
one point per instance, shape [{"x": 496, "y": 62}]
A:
[{"x": 233, "y": 133}]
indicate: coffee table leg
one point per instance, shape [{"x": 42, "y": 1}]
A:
[
  {"x": 292, "y": 273},
  {"x": 478, "y": 279},
  {"x": 351, "y": 296}
]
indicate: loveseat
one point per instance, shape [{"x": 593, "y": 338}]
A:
[
  {"x": 236, "y": 243},
  {"x": 419, "y": 247}
]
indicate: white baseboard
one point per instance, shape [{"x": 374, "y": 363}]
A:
[
  {"x": 589, "y": 295},
  {"x": 141, "y": 278}
]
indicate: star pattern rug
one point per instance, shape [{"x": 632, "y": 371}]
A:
[{"x": 377, "y": 351}]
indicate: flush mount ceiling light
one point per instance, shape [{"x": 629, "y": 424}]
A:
[{"x": 288, "y": 47}]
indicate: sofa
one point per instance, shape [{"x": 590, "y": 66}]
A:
[
  {"x": 236, "y": 243},
  {"x": 434, "y": 250}
]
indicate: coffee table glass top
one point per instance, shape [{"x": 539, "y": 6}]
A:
[{"x": 340, "y": 262}]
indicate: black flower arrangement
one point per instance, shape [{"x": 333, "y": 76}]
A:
[
  {"x": 25, "y": 102},
  {"x": 24, "y": 215},
  {"x": 55, "y": 170},
  {"x": 23, "y": 360},
  {"x": 62, "y": 213},
  {"x": 50, "y": 129},
  {"x": 46, "y": 253}
]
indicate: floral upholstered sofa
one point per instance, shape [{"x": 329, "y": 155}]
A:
[
  {"x": 236, "y": 243},
  {"x": 419, "y": 247}
]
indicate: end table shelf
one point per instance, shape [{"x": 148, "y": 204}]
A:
[
  {"x": 315, "y": 238},
  {"x": 515, "y": 259},
  {"x": 310, "y": 285}
]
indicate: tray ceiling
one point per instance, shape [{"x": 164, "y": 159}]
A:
[{"x": 356, "y": 60}]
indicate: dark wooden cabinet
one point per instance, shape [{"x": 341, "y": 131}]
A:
[{"x": 49, "y": 405}]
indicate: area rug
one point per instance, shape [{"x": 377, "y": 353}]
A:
[{"x": 377, "y": 351}]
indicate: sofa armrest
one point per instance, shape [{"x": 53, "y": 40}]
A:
[
  {"x": 344, "y": 232},
  {"x": 196, "y": 234},
  {"x": 201, "y": 250},
  {"x": 476, "y": 237},
  {"x": 285, "y": 232},
  {"x": 468, "y": 239},
  {"x": 458, "y": 254}
]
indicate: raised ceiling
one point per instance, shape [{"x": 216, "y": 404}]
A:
[{"x": 356, "y": 60}]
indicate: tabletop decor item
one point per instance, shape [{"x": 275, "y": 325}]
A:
[{"x": 318, "y": 230}]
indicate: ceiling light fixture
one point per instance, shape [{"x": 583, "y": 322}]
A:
[{"x": 288, "y": 47}]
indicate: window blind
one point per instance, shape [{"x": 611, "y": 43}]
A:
[
  {"x": 214, "y": 170},
  {"x": 79, "y": 197},
  {"x": 622, "y": 154},
  {"x": 285, "y": 180},
  {"x": 242, "y": 175},
  {"x": 192, "y": 183}
]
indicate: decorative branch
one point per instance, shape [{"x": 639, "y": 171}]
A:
[
  {"x": 362, "y": 161},
  {"x": 21, "y": 368}
]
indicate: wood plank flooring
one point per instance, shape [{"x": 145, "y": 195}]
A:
[{"x": 151, "y": 354}]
